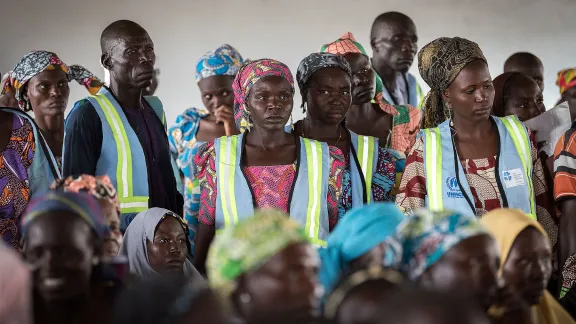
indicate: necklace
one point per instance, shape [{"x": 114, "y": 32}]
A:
[{"x": 304, "y": 124}]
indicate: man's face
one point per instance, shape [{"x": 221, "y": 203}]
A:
[
  {"x": 130, "y": 61},
  {"x": 395, "y": 44}
]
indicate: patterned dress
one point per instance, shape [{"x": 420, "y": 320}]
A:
[
  {"x": 382, "y": 181},
  {"x": 15, "y": 160},
  {"x": 270, "y": 184},
  {"x": 183, "y": 146}
]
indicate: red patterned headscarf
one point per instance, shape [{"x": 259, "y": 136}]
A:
[
  {"x": 99, "y": 187},
  {"x": 37, "y": 62},
  {"x": 249, "y": 75},
  {"x": 566, "y": 79}
]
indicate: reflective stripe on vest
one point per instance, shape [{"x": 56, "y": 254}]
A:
[
  {"x": 226, "y": 173},
  {"x": 433, "y": 162},
  {"x": 314, "y": 161},
  {"x": 522, "y": 143},
  {"x": 128, "y": 202},
  {"x": 366, "y": 159},
  {"x": 433, "y": 165}
]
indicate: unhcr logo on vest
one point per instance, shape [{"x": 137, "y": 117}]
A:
[{"x": 453, "y": 188}]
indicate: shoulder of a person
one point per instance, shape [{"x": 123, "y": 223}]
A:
[{"x": 82, "y": 108}]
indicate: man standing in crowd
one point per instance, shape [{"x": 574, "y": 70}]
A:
[
  {"x": 121, "y": 133},
  {"x": 528, "y": 64},
  {"x": 393, "y": 39}
]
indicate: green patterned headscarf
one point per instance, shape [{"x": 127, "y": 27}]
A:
[{"x": 247, "y": 245}]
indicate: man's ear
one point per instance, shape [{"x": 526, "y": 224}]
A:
[{"x": 106, "y": 61}]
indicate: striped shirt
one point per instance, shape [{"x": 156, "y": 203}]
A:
[{"x": 565, "y": 166}]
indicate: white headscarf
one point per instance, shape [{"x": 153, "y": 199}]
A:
[{"x": 141, "y": 229}]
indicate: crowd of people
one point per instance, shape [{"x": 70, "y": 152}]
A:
[{"x": 382, "y": 205}]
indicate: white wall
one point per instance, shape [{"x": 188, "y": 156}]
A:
[{"x": 286, "y": 30}]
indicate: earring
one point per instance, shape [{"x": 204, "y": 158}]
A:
[
  {"x": 449, "y": 108},
  {"x": 245, "y": 298}
]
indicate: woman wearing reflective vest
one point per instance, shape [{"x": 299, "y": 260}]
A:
[
  {"x": 464, "y": 159},
  {"x": 265, "y": 167},
  {"x": 324, "y": 80}
]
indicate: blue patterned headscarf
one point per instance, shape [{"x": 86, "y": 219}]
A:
[
  {"x": 359, "y": 231},
  {"x": 225, "y": 60},
  {"x": 79, "y": 203},
  {"x": 429, "y": 235}
]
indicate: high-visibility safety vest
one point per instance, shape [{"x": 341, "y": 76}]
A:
[
  {"x": 446, "y": 184},
  {"x": 307, "y": 203},
  {"x": 363, "y": 163},
  {"x": 122, "y": 157}
]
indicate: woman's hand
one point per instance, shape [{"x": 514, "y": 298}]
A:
[{"x": 225, "y": 115}]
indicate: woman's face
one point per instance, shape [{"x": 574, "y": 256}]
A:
[
  {"x": 60, "y": 248},
  {"x": 48, "y": 93},
  {"x": 570, "y": 96},
  {"x": 523, "y": 98},
  {"x": 471, "y": 94},
  {"x": 168, "y": 251},
  {"x": 113, "y": 242},
  {"x": 528, "y": 265},
  {"x": 373, "y": 257},
  {"x": 270, "y": 103},
  {"x": 363, "y": 78},
  {"x": 328, "y": 95},
  {"x": 470, "y": 267},
  {"x": 217, "y": 91},
  {"x": 286, "y": 286}
]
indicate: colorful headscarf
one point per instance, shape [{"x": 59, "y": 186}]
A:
[
  {"x": 249, "y": 74},
  {"x": 439, "y": 63},
  {"x": 247, "y": 245},
  {"x": 500, "y": 82},
  {"x": 37, "y": 62},
  {"x": 429, "y": 235},
  {"x": 316, "y": 62},
  {"x": 566, "y": 79},
  {"x": 359, "y": 231},
  {"x": 142, "y": 229},
  {"x": 100, "y": 187},
  {"x": 80, "y": 204},
  {"x": 225, "y": 60}
]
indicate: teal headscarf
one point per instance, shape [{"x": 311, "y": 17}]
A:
[
  {"x": 359, "y": 231},
  {"x": 429, "y": 235}
]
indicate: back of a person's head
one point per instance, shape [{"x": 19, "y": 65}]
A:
[
  {"x": 417, "y": 306},
  {"x": 161, "y": 299}
]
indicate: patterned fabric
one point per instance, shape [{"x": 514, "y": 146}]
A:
[
  {"x": 429, "y": 235},
  {"x": 246, "y": 78},
  {"x": 481, "y": 177},
  {"x": 500, "y": 84},
  {"x": 439, "y": 63},
  {"x": 566, "y": 79},
  {"x": 565, "y": 188},
  {"x": 406, "y": 117},
  {"x": 358, "y": 232},
  {"x": 383, "y": 180},
  {"x": 225, "y": 60},
  {"x": 15, "y": 160},
  {"x": 505, "y": 225},
  {"x": 184, "y": 145},
  {"x": 271, "y": 185},
  {"x": 316, "y": 62},
  {"x": 36, "y": 62},
  {"x": 206, "y": 163},
  {"x": 247, "y": 245},
  {"x": 99, "y": 187},
  {"x": 142, "y": 229},
  {"x": 80, "y": 204}
]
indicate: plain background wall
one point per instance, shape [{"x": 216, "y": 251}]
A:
[{"x": 286, "y": 30}]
